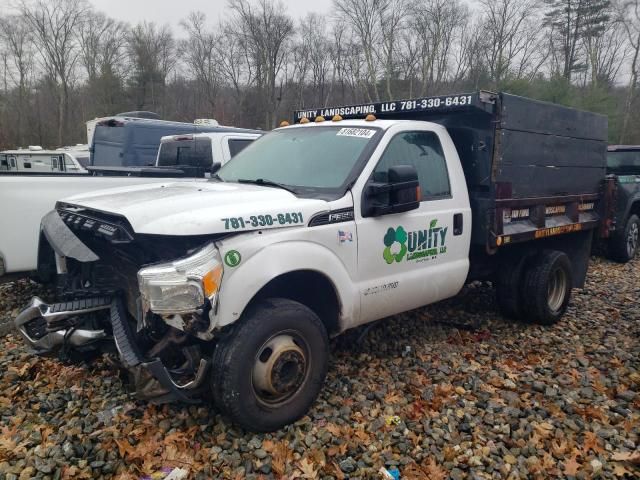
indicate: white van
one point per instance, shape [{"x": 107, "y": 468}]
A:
[{"x": 37, "y": 160}]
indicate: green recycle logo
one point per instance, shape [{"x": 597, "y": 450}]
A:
[
  {"x": 233, "y": 258},
  {"x": 395, "y": 236}
]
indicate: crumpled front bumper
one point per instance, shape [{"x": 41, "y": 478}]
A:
[{"x": 46, "y": 329}]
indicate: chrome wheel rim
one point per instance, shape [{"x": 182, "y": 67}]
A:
[
  {"x": 557, "y": 289},
  {"x": 632, "y": 240},
  {"x": 280, "y": 368}
]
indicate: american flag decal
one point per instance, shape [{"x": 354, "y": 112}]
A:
[{"x": 345, "y": 236}]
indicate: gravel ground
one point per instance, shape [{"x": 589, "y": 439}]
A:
[{"x": 449, "y": 391}]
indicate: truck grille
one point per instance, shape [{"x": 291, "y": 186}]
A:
[{"x": 110, "y": 227}]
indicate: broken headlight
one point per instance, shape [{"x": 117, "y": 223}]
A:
[{"x": 181, "y": 286}]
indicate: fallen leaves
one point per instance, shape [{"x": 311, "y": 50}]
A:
[
  {"x": 591, "y": 443},
  {"x": 9, "y": 447},
  {"x": 571, "y": 466},
  {"x": 281, "y": 455},
  {"x": 429, "y": 469},
  {"x": 628, "y": 464},
  {"x": 631, "y": 457},
  {"x": 307, "y": 469}
]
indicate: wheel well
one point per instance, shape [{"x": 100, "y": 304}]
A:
[
  {"x": 635, "y": 209},
  {"x": 310, "y": 288}
]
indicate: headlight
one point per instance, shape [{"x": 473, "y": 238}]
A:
[{"x": 182, "y": 286}]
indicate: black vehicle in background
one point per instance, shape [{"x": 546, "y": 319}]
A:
[{"x": 623, "y": 167}]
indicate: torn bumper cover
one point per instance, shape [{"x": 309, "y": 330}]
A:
[{"x": 49, "y": 328}]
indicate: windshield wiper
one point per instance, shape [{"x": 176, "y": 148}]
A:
[{"x": 266, "y": 183}]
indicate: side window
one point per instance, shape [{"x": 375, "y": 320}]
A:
[
  {"x": 236, "y": 145},
  {"x": 424, "y": 151}
]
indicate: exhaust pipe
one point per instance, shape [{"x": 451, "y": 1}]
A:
[{"x": 36, "y": 323}]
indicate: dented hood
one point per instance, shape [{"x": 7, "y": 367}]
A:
[{"x": 202, "y": 207}]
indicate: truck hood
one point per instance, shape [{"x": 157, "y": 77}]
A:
[{"x": 202, "y": 207}]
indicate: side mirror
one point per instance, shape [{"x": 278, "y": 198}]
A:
[
  {"x": 400, "y": 194},
  {"x": 212, "y": 170}
]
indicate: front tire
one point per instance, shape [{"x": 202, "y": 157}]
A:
[
  {"x": 547, "y": 287},
  {"x": 624, "y": 246},
  {"x": 270, "y": 368}
]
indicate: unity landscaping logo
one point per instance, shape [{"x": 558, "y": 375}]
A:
[{"x": 421, "y": 244}]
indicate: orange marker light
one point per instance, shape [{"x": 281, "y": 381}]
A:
[
  {"x": 284, "y": 123},
  {"x": 211, "y": 281},
  {"x": 370, "y": 118},
  {"x": 336, "y": 118},
  {"x": 319, "y": 119},
  {"x": 304, "y": 120}
]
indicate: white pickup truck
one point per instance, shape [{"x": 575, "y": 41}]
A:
[
  {"x": 26, "y": 198},
  {"x": 233, "y": 285}
]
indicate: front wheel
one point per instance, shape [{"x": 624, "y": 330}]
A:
[
  {"x": 547, "y": 287},
  {"x": 624, "y": 246},
  {"x": 269, "y": 370}
]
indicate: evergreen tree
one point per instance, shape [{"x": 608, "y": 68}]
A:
[{"x": 570, "y": 22}]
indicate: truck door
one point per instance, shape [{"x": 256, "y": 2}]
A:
[{"x": 410, "y": 259}]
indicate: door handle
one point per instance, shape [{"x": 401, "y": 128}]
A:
[{"x": 457, "y": 224}]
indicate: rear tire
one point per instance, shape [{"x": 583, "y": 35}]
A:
[
  {"x": 508, "y": 289},
  {"x": 623, "y": 245},
  {"x": 547, "y": 287},
  {"x": 270, "y": 368}
]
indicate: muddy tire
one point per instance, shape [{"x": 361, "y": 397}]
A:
[
  {"x": 623, "y": 245},
  {"x": 546, "y": 289},
  {"x": 270, "y": 368},
  {"x": 508, "y": 289}
]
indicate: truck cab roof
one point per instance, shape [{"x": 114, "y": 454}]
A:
[{"x": 381, "y": 124}]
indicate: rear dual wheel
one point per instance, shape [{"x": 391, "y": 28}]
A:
[{"x": 537, "y": 289}]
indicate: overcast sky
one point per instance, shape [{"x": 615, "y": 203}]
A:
[{"x": 172, "y": 11}]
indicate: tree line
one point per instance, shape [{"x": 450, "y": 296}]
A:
[{"x": 63, "y": 63}]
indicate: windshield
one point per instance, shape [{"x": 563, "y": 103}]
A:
[
  {"x": 312, "y": 157},
  {"x": 624, "y": 162}
]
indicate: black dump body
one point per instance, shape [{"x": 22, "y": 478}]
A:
[{"x": 533, "y": 169}]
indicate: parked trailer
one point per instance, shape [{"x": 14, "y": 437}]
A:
[{"x": 37, "y": 160}]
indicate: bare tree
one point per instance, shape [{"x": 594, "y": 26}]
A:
[
  {"x": 54, "y": 24},
  {"x": 102, "y": 45},
  {"x": 628, "y": 14},
  {"x": 362, "y": 16},
  {"x": 18, "y": 48},
  {"x": 509, "y": 31},
  {"x": 235, "y": 64},
  {"x": 607, "y": 53},
  {"x": 264, "y": 31},
  {"x": 391, "y": 16},
  {"x": 152, "y": 53},
  {"x": 438, "y": 26},
  {"x": 200, "y": 53}
]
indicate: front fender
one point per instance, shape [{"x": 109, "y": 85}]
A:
[{"x": 239, "y": 288}]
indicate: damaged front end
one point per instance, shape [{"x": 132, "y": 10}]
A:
[{"x": 117, "y": 292}]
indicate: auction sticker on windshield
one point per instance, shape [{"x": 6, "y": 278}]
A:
[{"x": 356, "y": 132}]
